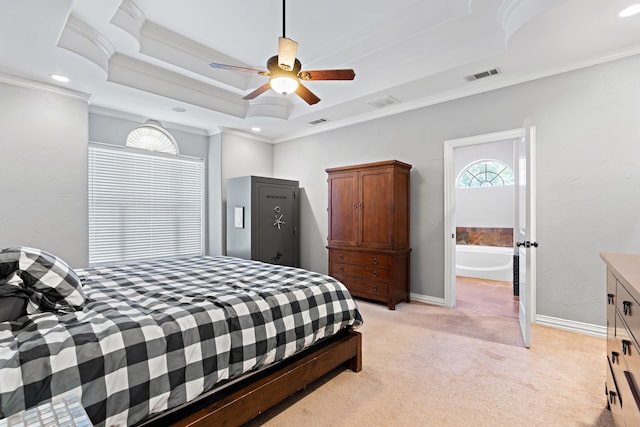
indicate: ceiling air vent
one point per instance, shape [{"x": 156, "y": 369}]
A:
[
  {"x": 384, "y": 102},
  {"x": 482, "y": 75},
  {"x": 317, "y": 122}
]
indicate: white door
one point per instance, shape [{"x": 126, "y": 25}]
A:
[{"x": 524, "y": 229}]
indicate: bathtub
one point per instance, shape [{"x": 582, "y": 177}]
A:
[{"x": 485, "y": 262}]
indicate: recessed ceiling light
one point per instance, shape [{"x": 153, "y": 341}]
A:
[
  {"x": 179, "y": 109},
  {"x": 60, "y": 78},
  {"x": 256, "y": 129},
  {"x": 630, "y": 11}
]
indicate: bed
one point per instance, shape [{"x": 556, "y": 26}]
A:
[{"x": 210, "y": 339}]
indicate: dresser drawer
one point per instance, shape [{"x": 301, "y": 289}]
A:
[
  {"x": 361, "y": 258},
  {"x": 628, "y": 309},
  {"x": 366, "y": 289},
  {"x": 363, "y": 272}
]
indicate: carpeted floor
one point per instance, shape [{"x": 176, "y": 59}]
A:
[{"x": 425, "y": 365}]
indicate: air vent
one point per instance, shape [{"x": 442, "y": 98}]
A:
[
  {"x": 482, "y": 75},
  {"x": 317, "y": 122},
  {"x": 384, "y": 102}
]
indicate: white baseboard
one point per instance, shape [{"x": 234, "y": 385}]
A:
[
  {"x": 571, "y": 325},
  {"x": 427, "y": 299},
  {"x": 553, "y": 322}
]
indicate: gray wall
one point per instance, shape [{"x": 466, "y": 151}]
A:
[
  {"x": 43, "y": 171},
  {"x": 588, "y": 148}
]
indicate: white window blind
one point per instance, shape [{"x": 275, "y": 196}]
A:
[{"x": 144, "y": 206}]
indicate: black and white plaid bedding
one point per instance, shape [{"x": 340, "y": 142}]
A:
[{"x": 154, "y": 335}]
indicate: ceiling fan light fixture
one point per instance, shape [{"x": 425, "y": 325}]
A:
[
  {"x": 283, "y": 84},
  {"x": 287, "y": 50}
]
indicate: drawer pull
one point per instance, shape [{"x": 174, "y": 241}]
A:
[
  {"x": 341, "y": 269},
  {"x": 341, "y": 257},
  {"x": 626, "y": 308},
  {"x": 614, "y": 356},
  {"x": 610, "y": 298},
  {"x": 625, "y": 346},
  {"x": 375, "y": 261},
  {"x": 612, "y": 397},
  {"x": 375, "y": 288},
  {"x": 375, "y": 273}
]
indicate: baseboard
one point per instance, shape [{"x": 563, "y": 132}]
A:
[
  {"x": 427, "y": 299},
  {"x": 573, "y": 326}
]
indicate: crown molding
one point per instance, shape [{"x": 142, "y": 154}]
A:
[
  {"x": 79, "y": 37},
  {"x": 473, "y": 88},
  {"x": 122, "y": 115},
  {"x": 14, "y": 80}
]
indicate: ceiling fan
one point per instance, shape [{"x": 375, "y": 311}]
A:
[{"x": 284, "y": 71}]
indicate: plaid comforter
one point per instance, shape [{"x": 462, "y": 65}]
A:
[{"x": 154, "y": 335}]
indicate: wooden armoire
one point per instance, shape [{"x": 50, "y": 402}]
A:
[{"x": 369, "y": 236}]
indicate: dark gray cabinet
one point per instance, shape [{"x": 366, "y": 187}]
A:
[{"x": 263, "y": 219}]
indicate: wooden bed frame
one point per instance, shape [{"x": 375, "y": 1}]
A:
[{"x": 239, "y": 402}]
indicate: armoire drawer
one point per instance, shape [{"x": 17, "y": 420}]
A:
[
  {"x": 361, "y": 258},
  {"x": 365, "y": 288},
  {"x": 360, "y": 271}
]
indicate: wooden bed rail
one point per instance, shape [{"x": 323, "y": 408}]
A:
[{"x": 248, "y": 398}]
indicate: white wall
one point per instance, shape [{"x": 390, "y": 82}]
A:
[
  {"x": 43, "y": 170},
  {"x": 588, "y": 133},
  {"x": 484, "y": 206}
]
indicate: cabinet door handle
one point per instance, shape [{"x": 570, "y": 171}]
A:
[
  {"x": 355, "y": 206},
  {"x": 625, "y": 346},
  {"x": 612, "y": 397},
  {"x": 614, "y": 356},
  {"x": 360, "y": 206},
  {"x": 610, "y": 298},
  {"x": 626, "y": 308}
]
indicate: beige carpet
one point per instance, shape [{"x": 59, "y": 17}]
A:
[{"x": 425, "y": 365}]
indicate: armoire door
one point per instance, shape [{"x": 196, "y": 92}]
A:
[
  {"x": 376, "y": 208},
  {"x": 343, "y": 209}
]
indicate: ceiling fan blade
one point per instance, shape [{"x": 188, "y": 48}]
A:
[
  {"x": 262, "y": 89},
  {"x": 346, "y": 74},
  {"x": 308, "y": 96},
  {"x": 236, "y": 68}
]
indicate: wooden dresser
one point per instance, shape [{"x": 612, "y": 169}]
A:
[
  {"x": 623, "y": 332},
  {"x": 368, "y": 239}
]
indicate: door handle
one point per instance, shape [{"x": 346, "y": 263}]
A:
[{"x": 527, "y": 244}]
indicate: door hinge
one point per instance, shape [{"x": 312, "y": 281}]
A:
[{"x": 527, "y": 244}]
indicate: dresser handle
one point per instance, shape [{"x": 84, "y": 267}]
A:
[
  {"x": 612, "y": 397},
  {"x": 341, "y": 257},
  {"x": 341, "y": 269},
  {"x": 375, "y": 274},
  {"x": 614, "y": 356},
  {"x": 375, "y": 261},
  {"x": 610, "y": 298},
  {"x": 625, "y": 346},
  {"x": 375, "y": 288},
  {"x": 626, "y": 308}
]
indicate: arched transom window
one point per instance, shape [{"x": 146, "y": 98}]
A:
[
  {"x": 485, "y": 173},
  {"x": 153, "y": 137}
]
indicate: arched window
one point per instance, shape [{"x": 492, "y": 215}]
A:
[
  {"x": 152, "y": 136},
  {"x": 485, "y": 173}
]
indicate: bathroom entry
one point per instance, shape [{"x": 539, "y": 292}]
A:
[
  {"x": 484, "y": 218},
  {"x": 523, "y": 143}
]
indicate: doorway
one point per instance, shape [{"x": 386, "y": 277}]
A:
[
  {"x": 523, "y": 141},
  {"x": 484, "y": 221}
]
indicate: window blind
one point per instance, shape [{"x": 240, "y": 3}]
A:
[{"x": 144, "y": 206}]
